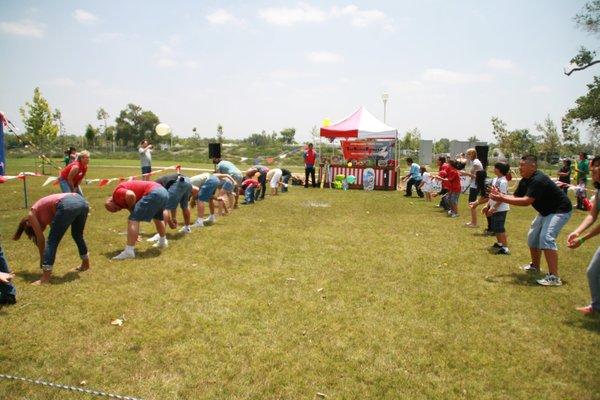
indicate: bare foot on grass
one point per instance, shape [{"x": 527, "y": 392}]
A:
[{"x": 44, "y": 279}]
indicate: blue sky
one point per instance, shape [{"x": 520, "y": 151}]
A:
[{"x": 448, "y": 66}]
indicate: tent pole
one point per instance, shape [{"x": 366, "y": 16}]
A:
[{"x": 397, "y": 166}]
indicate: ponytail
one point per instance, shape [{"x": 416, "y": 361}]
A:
[{"x": 25, "y": 226}]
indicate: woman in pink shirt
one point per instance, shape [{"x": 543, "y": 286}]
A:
[{"x": 60, "y": 211}]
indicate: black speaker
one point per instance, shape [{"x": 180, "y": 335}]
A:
[
  {"x": 214, "y": 150},
  {"x": 482, "y": 154}
]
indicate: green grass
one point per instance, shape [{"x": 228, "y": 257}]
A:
[{"x": 374, "y": 296}]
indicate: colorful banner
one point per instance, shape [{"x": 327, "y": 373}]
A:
[{"x": 378, "y": 153}]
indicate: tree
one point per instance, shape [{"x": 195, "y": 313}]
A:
[
  {"x": 473, "y": 139},
  {"x": 220, "y": 133},
  {"x": 570, "y": 137},
  {"x": 411, "y": 140},
  {"x": 514, "y": 143},
  {"x": 589, "y": 21},
  {"x": 39, "y": 120},
  {"x": 258, "y": 139},
  {"x": 586, "y": 111},
  {"x": 135, "y": 124},
  {"x": 441, "y": 146},
  {"x": 90, "y": 135},
  {"x": 550, "y": 140},
  {"x": 58, "y": 118},
  {"x": 287, "y": 135}
]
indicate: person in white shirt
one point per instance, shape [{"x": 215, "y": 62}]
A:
[
  {"x": 498, "y": 210},
  {"x": 427, "y": 182},
  {"x": 473, "y": 165},
  {"x": 145, "y": 151},
  {"x": 274, "y": 178}
]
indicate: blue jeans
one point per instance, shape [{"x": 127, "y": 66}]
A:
[
  {"x": 150, "y": 206},
  {"x": 544, "y": 230},
  {"x": 593, "y": 275},
  {"x": 249, "y": 195},
  {"x": 179, "y": 194},
  {"x": 65, "y": 188},
  {"x": 70, "y": 211},
  {"x": 6, "y": 289}
]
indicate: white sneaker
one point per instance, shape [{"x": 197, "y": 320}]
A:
[
  {"x": 124, "y": 255},
  {"x": 209, "y": 221},
  {"x": 185, "y": 230},
  {"x": 161, "y": 244},
  {"x": 153, "y": 238},
  {"x": 197, "y": 224}
]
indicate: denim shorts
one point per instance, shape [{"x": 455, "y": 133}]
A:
[
  {"x": 228, "y": 186},
  {"x": 179, "y": 194},
  {"x": 544, "y": 230},
  {"x": 238, "y": 178},
  {"x": 208, "y": 189},
  {"x": 65, "y": 188},
  {"x": 146, "y": 170},
  {"x": 150, "y": 206},
  {"x": 497, "y": 222},
  {"x": 453, "y": 198}
]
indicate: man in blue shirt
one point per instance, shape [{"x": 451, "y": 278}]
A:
[{"x": 414, "y": 178}]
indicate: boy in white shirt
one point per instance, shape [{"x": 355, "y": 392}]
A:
[{"x": 498, "y": 210}]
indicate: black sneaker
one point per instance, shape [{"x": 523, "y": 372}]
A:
[
  {"x": 8, "y": 299},
  {"x": 503, "y": 250}
]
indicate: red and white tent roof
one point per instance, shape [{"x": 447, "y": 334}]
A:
[{"x": 361, "y": 125}]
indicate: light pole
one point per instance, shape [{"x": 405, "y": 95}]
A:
[{"x": 385, "y": 96}]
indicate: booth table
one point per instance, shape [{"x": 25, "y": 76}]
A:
[{"x": 385, "y": 177}]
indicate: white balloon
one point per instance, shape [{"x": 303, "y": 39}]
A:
[{"x": 163, "y": 129}]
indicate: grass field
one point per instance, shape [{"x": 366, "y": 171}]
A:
[{"x": 349, "y": 294}]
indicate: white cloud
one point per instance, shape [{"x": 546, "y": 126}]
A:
[
  {"x": 62, "y": 82},
  {"x": 540, "y": 89},
  {"x": 288, "y": 16},
  {"x": 223, "y": 17},
  {"x": 501, "y": 64},
  {"x": 24, "y": 27},
  {"x": 306, "y": 13},
  {"x": 363, "y": 18},
  {"x": 323, "y": 57},
  {"x": 84, "y": 17},
  {"x": 453, "y": 77}
]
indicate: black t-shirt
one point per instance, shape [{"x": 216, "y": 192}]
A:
[
  {"x": 565, "y": 179},
  {"x": 167, "y": 180},
  {"x": 548, "y": 197}
]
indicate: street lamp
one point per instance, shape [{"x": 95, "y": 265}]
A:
[{"x": 385, "y": 96}]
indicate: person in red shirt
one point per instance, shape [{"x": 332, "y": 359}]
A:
[
  {"x": 442, "y": 167},
  {"x": 59, "y": 211},
  {"x": 72, "y": 175},
  {"x": 310, "y": 157},
  {"x": 249, "y": 186},
  {"x": 451, "y": 177},
  {"x": 145, "y": 201}
]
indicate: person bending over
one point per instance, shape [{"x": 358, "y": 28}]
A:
[
  {"x": 145, "y": 200},
  {"x": 59, "y": 211}
]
